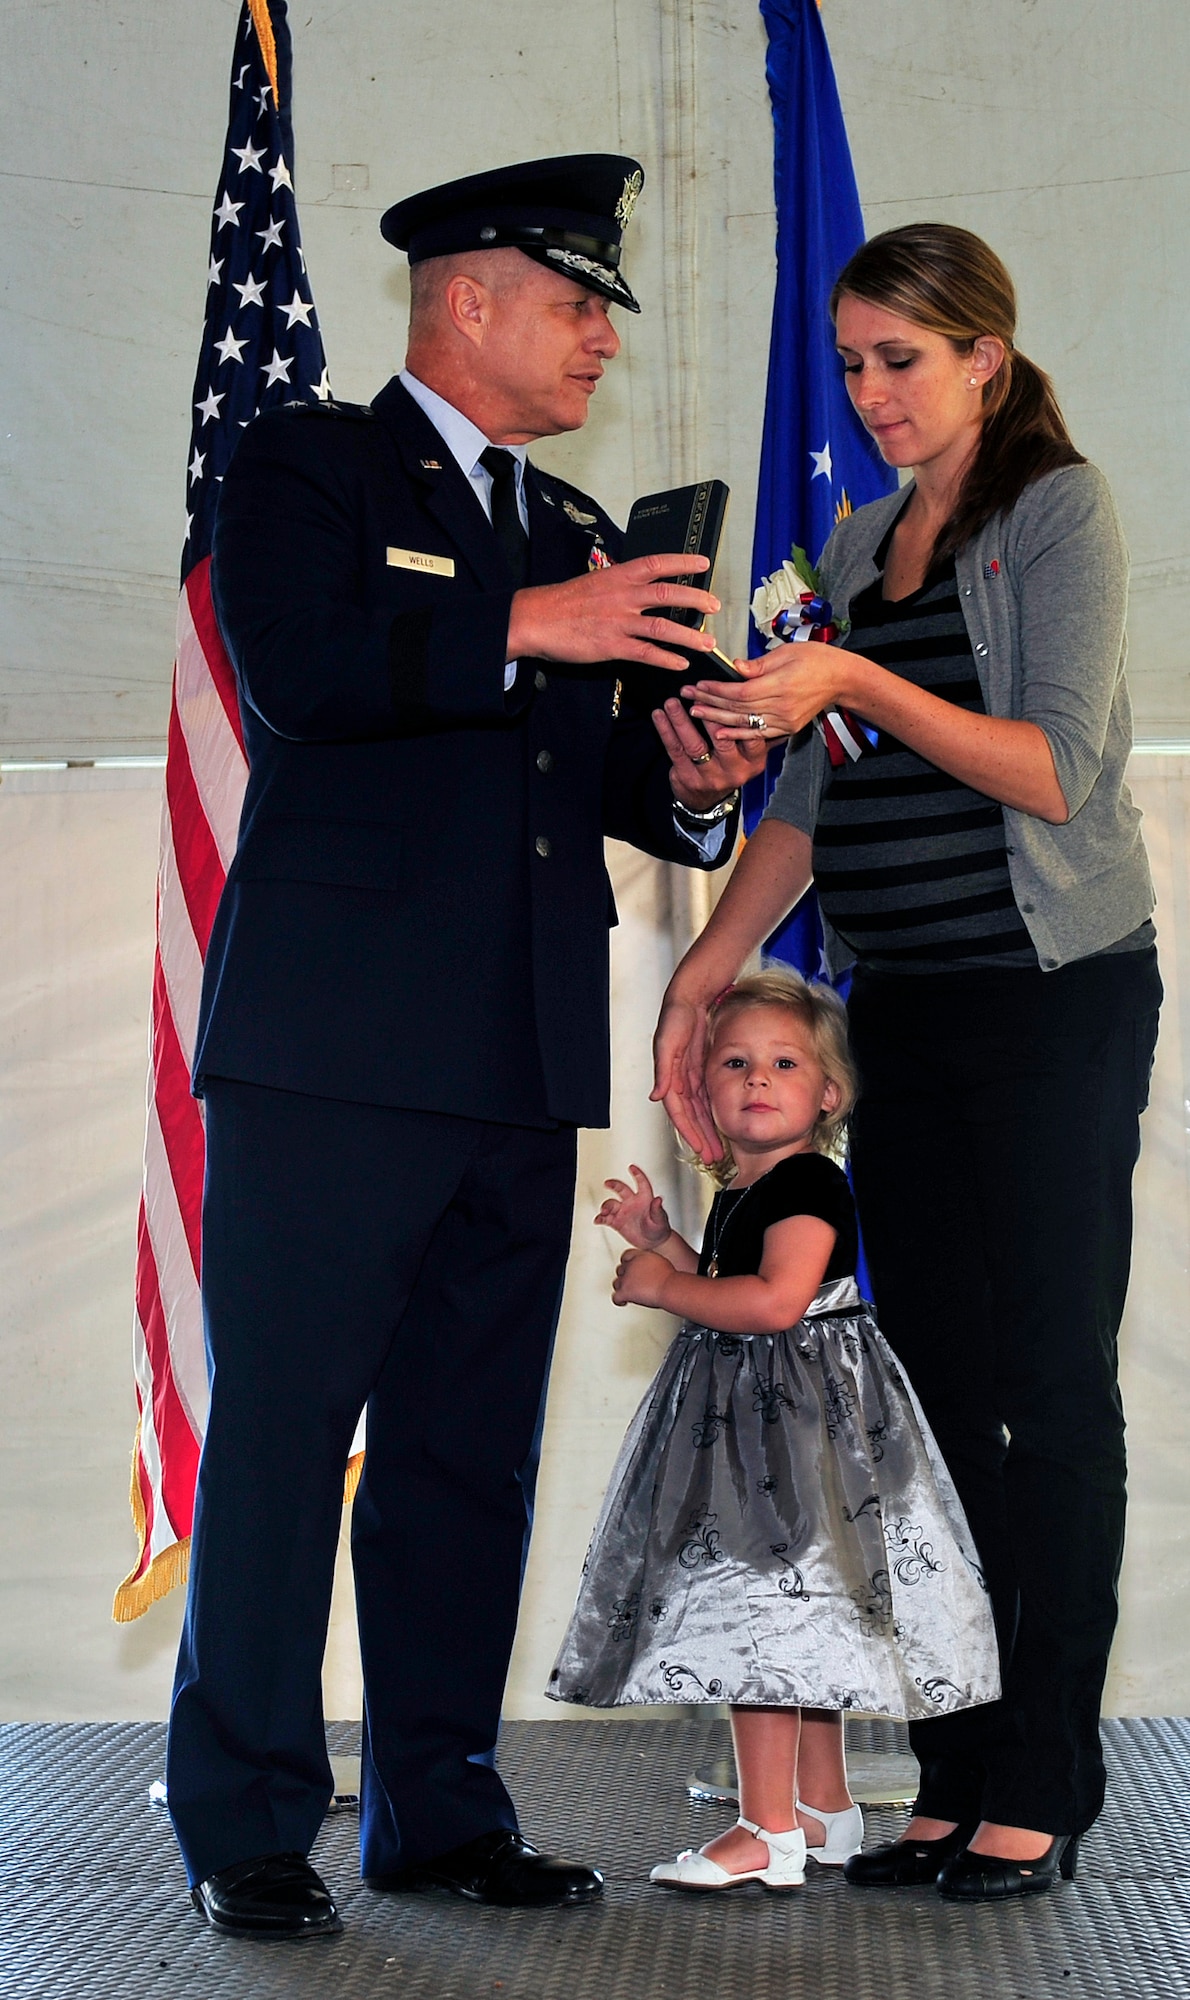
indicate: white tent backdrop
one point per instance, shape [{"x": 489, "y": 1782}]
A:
[{"x": 1054, "y": 128}]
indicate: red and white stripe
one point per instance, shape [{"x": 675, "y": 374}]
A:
[{"x": 205, "y": 775}]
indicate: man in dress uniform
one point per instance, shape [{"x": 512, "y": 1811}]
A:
[{"x": 404, "y": 1021}]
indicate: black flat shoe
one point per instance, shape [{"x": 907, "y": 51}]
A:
[
  {"x": 906, "y": 1864},
  {"x": 499, "y": 1867},
  {"x": 989, "y": 1878},
  {"x": 275, "y": 1896}
]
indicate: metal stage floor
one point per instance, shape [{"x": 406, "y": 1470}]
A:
[{"x": 93, "y": 1901}]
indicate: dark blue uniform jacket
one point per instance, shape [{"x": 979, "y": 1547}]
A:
[{"x": 417, "y": 913}]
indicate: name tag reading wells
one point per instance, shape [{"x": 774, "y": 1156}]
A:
[{"x": 414, "y": 559}]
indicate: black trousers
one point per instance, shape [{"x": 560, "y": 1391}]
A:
[
  {"x": 992, "y": 1148},
  {"x": 356, "y": 1254}
]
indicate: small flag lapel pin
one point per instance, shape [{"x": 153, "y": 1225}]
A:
[{"x": 991, "y": 569}]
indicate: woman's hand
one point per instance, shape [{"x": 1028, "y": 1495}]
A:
[
  {"x": 679, "y": 1059},
  {"x": 637, "y": 1213},
  {"x": 783, "y": 692},
  {"x": 641, "y": 1278},
  {"x": 1006, "y": 759}
]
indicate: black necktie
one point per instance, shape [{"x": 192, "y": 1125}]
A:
[{"x": 506, "y": 517}]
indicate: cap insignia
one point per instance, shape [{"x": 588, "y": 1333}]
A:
[{"x": 628, "y": 200}]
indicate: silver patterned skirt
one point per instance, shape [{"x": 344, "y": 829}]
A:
[{"x": 780, "y": 1529}]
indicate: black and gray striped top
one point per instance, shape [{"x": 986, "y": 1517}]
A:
[{"x": 909, "y": 863}]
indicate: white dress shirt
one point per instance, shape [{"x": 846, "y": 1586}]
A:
[{"x": 464, "y": 441}]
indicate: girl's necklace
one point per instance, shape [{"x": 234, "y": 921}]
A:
[{"x": 727, "y": 1215}]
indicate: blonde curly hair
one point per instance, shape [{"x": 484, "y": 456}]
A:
[{"x": 821, "y": 1015}]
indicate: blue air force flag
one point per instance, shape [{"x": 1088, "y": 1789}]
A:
[{"x": 817, "y": 461}]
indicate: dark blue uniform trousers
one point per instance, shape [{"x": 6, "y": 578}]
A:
[{"x": 414, "y": 1262}]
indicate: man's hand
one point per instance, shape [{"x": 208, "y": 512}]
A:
[
  {"x": 611, "y": 614},
  {"x": 641, "y": 1278},
  {"x": 702, "y": 773}
]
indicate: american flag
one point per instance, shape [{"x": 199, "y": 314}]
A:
[{"x": 260, "y": 346}]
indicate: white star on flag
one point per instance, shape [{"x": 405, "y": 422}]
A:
[
  {"x": 322, "y": 388},
  {"x": 215, "y": 270},
  {"x": 280, "y": 176},
  {"x": 271, "y": 237},
  {"x": 298, "y": 308},
  {"x": 265, "y": 94},
  {"x": 210, "y": 404},
  {"x": 248, "y": 158},
  {"x": 196, "y": 465},
  {"x": 228, "y": 211},
  {"x": 229, "y": 348},
  {"x": 276, "y": 370},
  {"x": 822, "y": 462},
  {"x": 251, "y": 291},
  {"x": 239, "y": 82}
]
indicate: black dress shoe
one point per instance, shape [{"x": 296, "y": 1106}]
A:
[
  {"x": 906, "y": 1864},
  {"x": 276, "y": 1896},
  {"x": 989, "y": 1878},
  {"x": 500, "y": 1867}
]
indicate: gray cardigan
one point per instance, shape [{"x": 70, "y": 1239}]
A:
[{"x": 1043, "y": 591}]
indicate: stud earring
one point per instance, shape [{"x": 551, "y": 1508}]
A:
[{"x": 974, "y": 384}]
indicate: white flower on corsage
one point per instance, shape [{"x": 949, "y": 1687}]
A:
[
  {"x": 790, "y": 598},
  {"x": 789, "y": 605}
]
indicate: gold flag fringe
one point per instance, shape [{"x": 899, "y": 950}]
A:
[
  {"x": 136, "y": 1593},
  {"x": 263, "y": 23},
  {"x": 172, "y": 1566}
]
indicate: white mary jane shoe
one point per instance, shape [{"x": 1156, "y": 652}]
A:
[
  {"x": 695, "y": 1870},
  {"x": 844, "y": 1834}
]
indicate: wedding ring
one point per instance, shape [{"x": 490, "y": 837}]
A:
[
  {"x": 756, "y": 722},
  {"x": 704, "y": 759}
]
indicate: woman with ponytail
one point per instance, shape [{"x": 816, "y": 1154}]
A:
[{"x": 981, "y": 871}]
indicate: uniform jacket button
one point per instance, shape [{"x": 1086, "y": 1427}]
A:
[
  {"x": 539, "y": 680},
  {"x": 981, "y": 649},
  {"x": 544, "y": 761},
  {"x": 543, "y": 846}
]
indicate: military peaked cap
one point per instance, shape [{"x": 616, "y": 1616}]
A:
[{"x": 568, "y": 214}]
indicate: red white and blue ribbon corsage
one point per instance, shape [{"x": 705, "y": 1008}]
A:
[{"x": 789, "y": 607}]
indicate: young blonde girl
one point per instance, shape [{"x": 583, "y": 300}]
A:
[{"x": 780, "y": 1532}]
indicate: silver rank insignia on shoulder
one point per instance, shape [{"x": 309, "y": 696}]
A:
[
  {"x": 576, "y": 514},
  {"x": 628, "y": 200}
]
